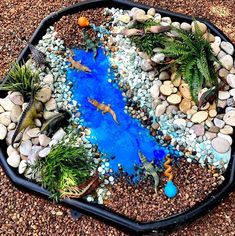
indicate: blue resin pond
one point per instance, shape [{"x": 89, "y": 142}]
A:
[{"x": 122, "y": 140}]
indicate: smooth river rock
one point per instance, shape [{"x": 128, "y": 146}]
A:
[
  {"x": 227, "y": 47},
  {"x": 44, "y": 94},
  {"x": 7, "y": 104},
  {"x": 229, "y": 118},
  {"x": 26, "y": 147},
  {"x": 220, "y": 145},
  {"x": 14, "y": 160},
  {"x": 22, "y": 166},
  {"x": 3, "y": 132},
  {"x": 199, "y": 117},
  {"x": 231, "y": 80},
  {"x": 227, "y": 62}
]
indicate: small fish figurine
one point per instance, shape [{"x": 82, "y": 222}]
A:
[
  {"x": 38, "y": 56},
  {"x": 104, "y": 108}
]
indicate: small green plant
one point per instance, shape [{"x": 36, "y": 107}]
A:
[
  {"x": 66, "y": 166},
  {"x": 149, "y": 41},
  {"x": 193, "y": 56},
  {"x": 21, "y": 79}
]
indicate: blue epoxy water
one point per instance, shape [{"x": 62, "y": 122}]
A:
[{"x": 120, "y": 140}]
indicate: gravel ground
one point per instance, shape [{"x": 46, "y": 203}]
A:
[
  {"x": 25, "y": 214},
  {"x": 194, "y": 183}
]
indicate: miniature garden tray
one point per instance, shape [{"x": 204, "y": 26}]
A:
[{"x": 132, "y": 115}]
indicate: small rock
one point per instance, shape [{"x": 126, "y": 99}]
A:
[
  {"x": 180, "y": 122},
  {"x": 151, "y": 11},
  {"x": 1, "y": 110},
  {"x": 227, "y": 62},
  {"x": 215, "y": 48},
  {"x": 199, "y": 130},
  {"x": 48, "y": 79},
  {"x": 51, "y": 104},
  {"x": 5, "y": 118},
  {"x": 223, "y": 72},
  {"x": 164, "y": 75},
  {"x": 176, "y": 81},
  {"x": 44, "y": 94},
  {"x": 159, "y": 57},
  {"x": 59, "y": 135},
  {"x": 231, "y": 80},
  {"x": 219, "y": 123},
  {"x": 201, "y": 26},
  {"x": 22, "y": 166},
  {"x": 144, "y": 55},
  {"x": 6, "y": 104},
  {"x": 210, "y": 135},
  {"x": 17, "y": 98},
  {"x": 217, "y": 40},
  {"x": 227, "y": 47},
  {"x": 11, "y": 151},
  {"x": 209, "y": 37},
  {"x": 227, "y": 130},
  {"x": 3, "y": 132},
  {"x": 48, "y": 114},
  {"x": 171, "y": 109},
  {"x": 14, "y": 160},
  {"x": 185, "y": 105},
  {"x": 44, "y": 140},
  {"x": 35, "y": 141},
  {"x": 124, "y": 18},
  {"x": 184, "y": 90},
  {"x": 174, "y": 99},
  {"x": 44, "y": 152},
  {"x": 214, "y": 129},
  {"x": 38, "y": 123},
  {"x": 199, "y": 117},
  {"x": 160, "y": 109},
  {"x": 227, "y": 137},
  {"x": 15, "y": 113},
  {"x": 223, "y": 95},
  {"x": 154, "y": 90},
  {"x": 33, "y": 133},
  {"x": 229, "y": 118},
  {"x": 11, "y": 126},
  {"x": 146, "y": 65},
  {"x": 10, "y": 135},
  {"x": 222, "y": 103},
  {"x": 165, "y": 90},
  {"x": 185, "y": 26},
  {"x": 25, "y": 147},
  {"x": 220, "y": 145}
]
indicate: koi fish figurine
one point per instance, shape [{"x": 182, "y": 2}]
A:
[
  {"x": 77, "y": 64},
  {"x": 104, "y": 108}
]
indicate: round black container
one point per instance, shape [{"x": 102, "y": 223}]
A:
[{"x": 99, "y": 211}]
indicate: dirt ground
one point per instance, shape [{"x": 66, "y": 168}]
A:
[{"x": 24, "y": 214}]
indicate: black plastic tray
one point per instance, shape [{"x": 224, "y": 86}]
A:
[{"x": 99, "y": 211}]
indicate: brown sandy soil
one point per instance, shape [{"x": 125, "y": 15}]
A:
[{"x": 24, "y": 214}]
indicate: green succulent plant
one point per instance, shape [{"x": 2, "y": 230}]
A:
[
  {"x": 193, "y": 58},
  {"x": 22, "y": 79}
]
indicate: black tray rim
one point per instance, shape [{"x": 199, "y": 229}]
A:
[{"x": 100, "y": 211}]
